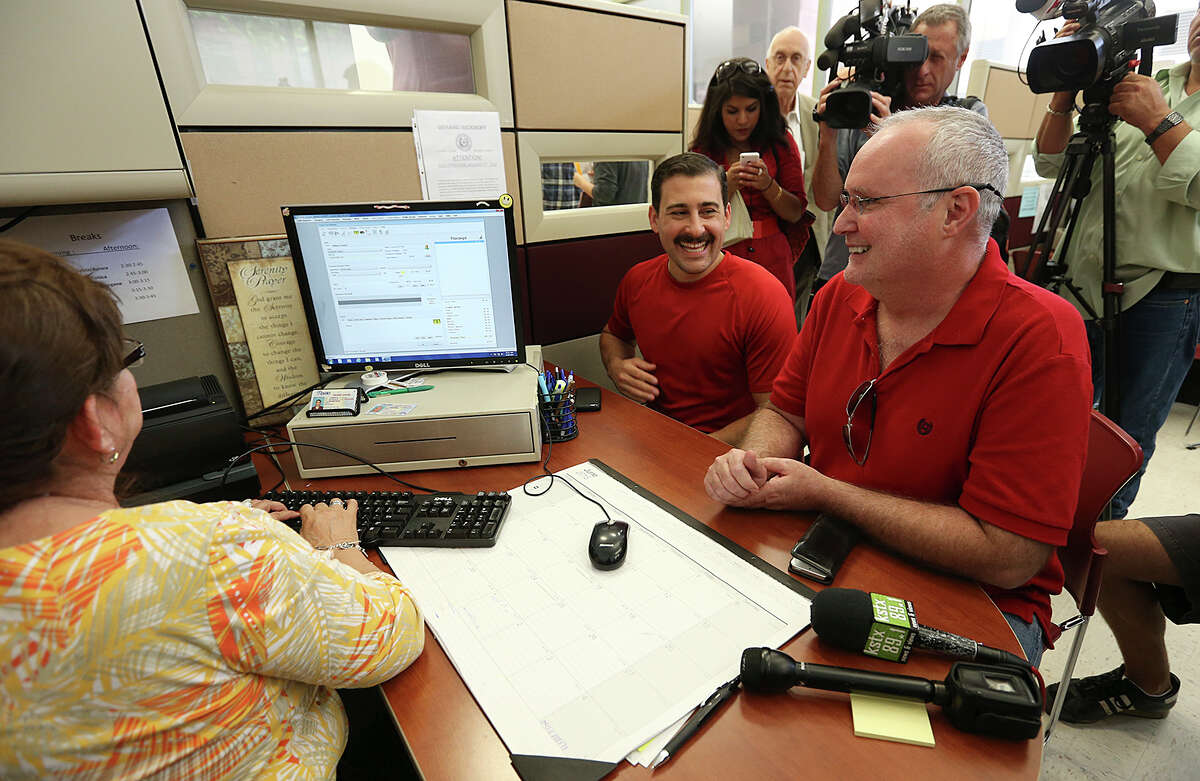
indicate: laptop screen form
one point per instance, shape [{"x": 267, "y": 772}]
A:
[{"x": 401, "y": 286}]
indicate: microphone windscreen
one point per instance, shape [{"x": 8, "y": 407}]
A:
[{"x": 843, "y": 617}]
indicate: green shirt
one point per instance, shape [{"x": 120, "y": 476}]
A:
[{"x": 1158, "y": 222}]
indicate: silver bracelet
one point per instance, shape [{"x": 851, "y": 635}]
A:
[
  {"x": 1066, "y": 113},
  {"x": 346, "y": 545}
]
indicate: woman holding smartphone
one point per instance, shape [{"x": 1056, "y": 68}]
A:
[{"x": 742, "y": 129}]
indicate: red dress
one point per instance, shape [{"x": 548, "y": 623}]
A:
[{"x": 771, "y": 249}]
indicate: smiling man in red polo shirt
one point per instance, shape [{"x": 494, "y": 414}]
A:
[
  {"x": 713, "y": 328},
  {"x": 944, "y": 401}
]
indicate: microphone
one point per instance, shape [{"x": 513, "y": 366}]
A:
[
  {"x": 886, "y": 628},
  {"x": 1005, "y": 702},
  {"x": 768, "y": 670}
]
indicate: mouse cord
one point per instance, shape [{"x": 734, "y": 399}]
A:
[{"x": 531, "y": 490}]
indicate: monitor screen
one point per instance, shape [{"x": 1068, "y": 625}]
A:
[{"x": 408, "y": 285}]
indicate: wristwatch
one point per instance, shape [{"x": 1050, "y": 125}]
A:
[{"x": 1169, "y": 121}]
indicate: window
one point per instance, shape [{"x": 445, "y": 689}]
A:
[
  {"x": 274, "y": 51},
  {"x": 721, "y": 29}
]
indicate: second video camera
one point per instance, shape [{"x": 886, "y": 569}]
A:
[
  {"x": 1110, "y": 34},
  {"x": 875, "y": 42}
]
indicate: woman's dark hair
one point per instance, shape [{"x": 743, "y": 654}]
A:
[
  {"x": 61, "y": 343},
  {"x": 744, "y": 77}
]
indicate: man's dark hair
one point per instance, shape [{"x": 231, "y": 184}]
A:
[{"x": 686, "y": 164}]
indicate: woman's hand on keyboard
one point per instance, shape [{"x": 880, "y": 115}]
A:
[
  {"x": 277, "y": 509},
  {"x": 328, "y": 524}
]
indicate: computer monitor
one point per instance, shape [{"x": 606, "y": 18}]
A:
[{"x": 417, "y": 285}]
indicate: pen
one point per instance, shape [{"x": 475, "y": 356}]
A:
[
  {"x": 693, "y": 724},
  {"x": 394, "y": 391}
]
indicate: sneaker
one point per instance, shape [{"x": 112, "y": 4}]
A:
[{"x": 1100, "y": 696}]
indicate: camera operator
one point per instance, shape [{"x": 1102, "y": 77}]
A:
[
  {"x": 1158, "y": 239},
  {"x": 948, "y": 30}
]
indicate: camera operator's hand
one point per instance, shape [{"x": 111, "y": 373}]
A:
[
  {"x": 1139, "y": 100},
  {"x": 827, "y": 134},
  {"x": 881, "y": 108}
]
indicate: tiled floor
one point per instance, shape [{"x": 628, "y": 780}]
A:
[{"x": 1129, "y": 748}]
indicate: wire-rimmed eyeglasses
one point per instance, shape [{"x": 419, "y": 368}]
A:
[
  {"x": 135, "y": 353},
  {"x": 858, "y": 440},
  {"x": 860, "y": 204}
]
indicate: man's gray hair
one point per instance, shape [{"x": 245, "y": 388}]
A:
[
  {"x": 963, "y": 148},
  {"x": 942, "y": 13}
]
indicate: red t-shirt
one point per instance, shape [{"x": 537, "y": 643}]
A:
[
  {"x": 774, "y": 252},
  {"x": 714, "y": 342},
  {"x": 989, "y": 411}
]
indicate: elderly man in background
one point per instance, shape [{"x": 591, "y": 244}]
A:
[{"x": 788, "y": 59}]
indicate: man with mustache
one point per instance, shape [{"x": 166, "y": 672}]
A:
[
  {"x": 948, "y": 31},
  {"x": 713, "y": 328}
]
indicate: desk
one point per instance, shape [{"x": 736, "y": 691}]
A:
[{"x": 804, "y": 733}]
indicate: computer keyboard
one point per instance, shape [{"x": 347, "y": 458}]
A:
[{"x": 402, "y": 519}]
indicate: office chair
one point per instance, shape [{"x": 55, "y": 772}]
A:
[{"x": 1113, "y": 458}]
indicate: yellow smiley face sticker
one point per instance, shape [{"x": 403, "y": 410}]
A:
[{"x": 506, "y": 200}]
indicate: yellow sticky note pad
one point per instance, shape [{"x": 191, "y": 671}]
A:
[{"x": 891, "y": 718}]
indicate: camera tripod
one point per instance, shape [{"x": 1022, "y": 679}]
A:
[{"x": 1095, "y": 139}]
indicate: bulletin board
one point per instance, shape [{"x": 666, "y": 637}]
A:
[{"x": 254, "y": 290}]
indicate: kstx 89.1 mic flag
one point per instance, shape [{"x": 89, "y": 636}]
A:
[{"x": 886, "y": 627}]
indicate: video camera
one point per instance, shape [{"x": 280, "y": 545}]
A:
[
  {"x": 1101, "y": 53},
  {"x": 882, "y": 49}
]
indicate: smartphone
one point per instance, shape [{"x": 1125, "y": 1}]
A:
[
  {"x": 748, "y": 157},
  {"x": 810, "y": 570},
  {"x": 587, "y": 399}
]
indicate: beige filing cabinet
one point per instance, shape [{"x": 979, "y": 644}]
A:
[{"x": 84, "y": 117}]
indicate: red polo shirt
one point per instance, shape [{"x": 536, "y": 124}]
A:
[
  {"x": 989, "y": 411},
  {"x": 714, "y": 341}
]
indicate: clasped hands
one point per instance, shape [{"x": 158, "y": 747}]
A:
[{"x": 741, "y": 478}]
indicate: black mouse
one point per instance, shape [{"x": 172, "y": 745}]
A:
[{"x": 609, "y": 543}]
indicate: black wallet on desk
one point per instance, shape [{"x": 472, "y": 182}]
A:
[{"x": 823, "y": 548}]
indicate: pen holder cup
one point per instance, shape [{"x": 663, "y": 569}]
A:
[{"x": 558, "y": 416}]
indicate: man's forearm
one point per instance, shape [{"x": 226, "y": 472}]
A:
[
  {"x": 771, "y": 434},
  {"x": 943, "y": 536},
  {"x": 827, "y": 182},
  {"x": 1056, "y": 129},
  {"x": 612, "y": 350}
]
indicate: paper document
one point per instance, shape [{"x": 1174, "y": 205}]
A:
[
  {"x": 459, "y": 155},
  {"x": 134, "y": 252},
  {"x": 574, "y": 662},
  {"x": 1029, "y": 201}
]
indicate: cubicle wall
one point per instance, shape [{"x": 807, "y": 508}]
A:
[{"x": 571, "y": 81}]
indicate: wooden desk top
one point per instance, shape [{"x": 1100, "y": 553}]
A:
[{"x": 805, "y": 733}]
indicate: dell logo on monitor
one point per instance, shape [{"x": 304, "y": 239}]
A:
[{"x": 422, "y": 364}]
